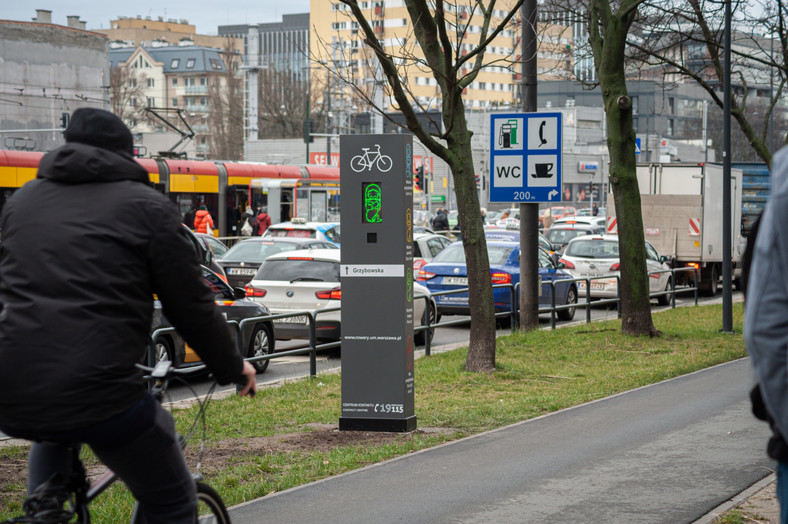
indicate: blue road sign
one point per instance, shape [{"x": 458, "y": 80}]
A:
[
  {"x": 525, "y": 157},
  {"x": 637, "y": 146}
]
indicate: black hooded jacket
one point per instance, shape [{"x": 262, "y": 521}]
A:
[{"x": 85, "y": 247}]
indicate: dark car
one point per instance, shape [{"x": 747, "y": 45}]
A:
[
  {"x": 217, "y": 247},
  {"x": 242, "y": 261},
  {"x": 258, "y": 338},
  {"x": 204, "y": 254}
]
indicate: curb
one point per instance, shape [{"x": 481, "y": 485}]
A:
[{"x": 734, "y": 501}]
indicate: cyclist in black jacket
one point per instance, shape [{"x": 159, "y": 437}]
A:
[{"x": 85, "y": 247}]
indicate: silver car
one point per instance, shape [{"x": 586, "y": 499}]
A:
[
  {"x": 597, "y": 255},
  {"x": 308, "y": 280}
]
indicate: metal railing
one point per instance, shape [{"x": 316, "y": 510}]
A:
[{"x": 311, "y": 315}]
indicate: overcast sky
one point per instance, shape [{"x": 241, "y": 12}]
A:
[{"x": 207, "y": 15}]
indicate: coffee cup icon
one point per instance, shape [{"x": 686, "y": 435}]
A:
[{"x": 543, "y": 170}]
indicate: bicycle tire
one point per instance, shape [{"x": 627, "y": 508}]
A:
[{"x": 210, "y": 505}]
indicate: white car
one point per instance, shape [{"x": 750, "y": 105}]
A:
[
  {"x": 597, "y": 255},
  {"x": 425, "y": 247},
  {"x": 300, "y": 228},
  {"x": 592, "y": 221},
  {"x": 308, "y": 280}
]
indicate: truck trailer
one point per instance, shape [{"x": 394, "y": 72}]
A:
[{"x": 682, "y": 210}]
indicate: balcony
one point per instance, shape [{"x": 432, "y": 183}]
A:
[{"x": 196, "y": 90}]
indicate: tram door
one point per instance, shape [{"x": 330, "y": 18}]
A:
[
  {"x": 312, "y": 204},
  {"x": 277, "y": 195}
]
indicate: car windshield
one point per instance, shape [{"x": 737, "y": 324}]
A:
[
  {"x": 592, "y": 249},
  {"x": 563, "y": 236},
  {"x": 256, "y": 251},
  {"x": 294, "y": 270},
  {"x": 455, "y": 254}
]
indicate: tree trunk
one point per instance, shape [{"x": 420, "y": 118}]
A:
[
  {"x": 481, "y": 349},
  {"x": 633, "y": 286}
]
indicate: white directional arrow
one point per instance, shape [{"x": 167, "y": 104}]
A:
[{"x": 551, "y": 194}]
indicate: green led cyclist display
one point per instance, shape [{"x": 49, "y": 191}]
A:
[{"x": 372, "y": 203}]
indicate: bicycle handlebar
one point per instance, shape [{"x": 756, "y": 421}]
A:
[{"x": 164, "y": 370}]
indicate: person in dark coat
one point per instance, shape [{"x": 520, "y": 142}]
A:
[
  {"x": 441, "y": 221},
  {"x": 77, "y": 279},
  {"x": 188, "y": 217}
]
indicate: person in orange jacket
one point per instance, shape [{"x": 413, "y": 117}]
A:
[{"x": 203, "y": 223}]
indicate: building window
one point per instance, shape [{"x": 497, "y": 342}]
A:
[
  {"x": 151, "y": 101},
  {"x": 132, "y": 83},
  {"x": 189, "y": 82},
  {"x": 203, "y": 101},
  {"x": 216, "y": 64},
  {"x": 174, "y": 102},
  {"x": 190, "y": 63},
  {"x": 203, "y": 81},
  {"x": 175, "y": 63},
  {"x": 151, "y": 82},
  {"x": 133, "y": 102},
  {"x": 175, "y": 81}
]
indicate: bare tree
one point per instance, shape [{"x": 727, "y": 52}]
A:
[
  {"x": 127, "y": 97},
  {"x": 683, "y": 40},
  {"x": 225, "y": 115},
  {"x": 283, "y": 104},
  {"x": 454, "y": 57},
  {"x": 608, "y": 32}
]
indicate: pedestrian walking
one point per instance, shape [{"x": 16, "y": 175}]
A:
[
  {"x": 765, "y": 326},
  {"x": 188, "y": 217},
  {"x": 247, "y": 222},
  {"x": 262, "y": 221},
  {"x": 440, "y": 222},
  {"x": 203, "y": 223}
]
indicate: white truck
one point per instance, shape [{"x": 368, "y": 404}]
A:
[{"x": 682, "y": 218}]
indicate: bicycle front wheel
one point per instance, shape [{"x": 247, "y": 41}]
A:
[{"x": 210, "y": 506}]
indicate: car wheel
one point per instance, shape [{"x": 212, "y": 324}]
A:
[
  {"x": 571, "y": 298},
  {"x": 664, "y": 300},
  {"x": 164, "y": 351},
  {"x": 421, "y": 337},
  {"x": 261, "y": 343}
]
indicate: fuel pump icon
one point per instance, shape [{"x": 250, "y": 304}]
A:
[{"x": 505, "y": 136}]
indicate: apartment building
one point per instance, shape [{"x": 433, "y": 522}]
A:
[
  {"x": 336, "y": 40},
  {"x": 166, "y": 89}
]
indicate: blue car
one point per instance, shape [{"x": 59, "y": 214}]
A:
[{"x": 447, "y": 271}]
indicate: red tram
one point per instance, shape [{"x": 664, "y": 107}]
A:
[{"x": 226, "y": 188}]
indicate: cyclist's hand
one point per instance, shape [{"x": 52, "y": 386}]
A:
[{"x": 250, "y": 374}]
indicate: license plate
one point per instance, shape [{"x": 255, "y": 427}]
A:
[
  {"x": 594, "y": 285},
  {"x": 292, "y": 320},
  {"x": 242, "y": 271},
  {"x": 457, "y": 281}
]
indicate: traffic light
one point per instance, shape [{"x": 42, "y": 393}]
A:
[{"x": 418, "y": 180}]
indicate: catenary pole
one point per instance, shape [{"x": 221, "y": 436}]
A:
[
  {"x": 727, "y": 298},
  {"x": 529, "y": 212}
]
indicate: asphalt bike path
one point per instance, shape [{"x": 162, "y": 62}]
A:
[{"x": 669, "y": 452}]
